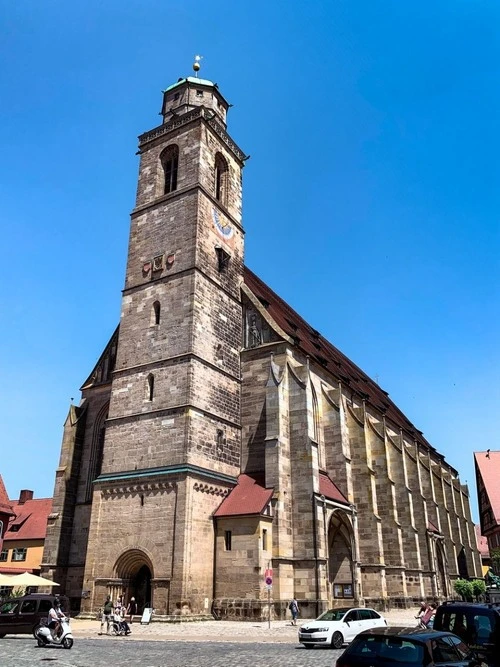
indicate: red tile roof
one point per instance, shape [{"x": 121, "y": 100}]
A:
[
  {"x": 30, "y": 518},
  {"x": 330, "y": 490},
  {"x": 312, "y": 343},
  {"x": 488, "y": 464},
  {"x": 482, "y": 543},
  {"x": 249, "y": 496},
  {"x": 5, "y": 505}
]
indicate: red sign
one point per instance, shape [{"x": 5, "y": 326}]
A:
[{"x": 268, "y": 577}]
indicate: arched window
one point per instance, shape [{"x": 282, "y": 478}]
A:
[
  {"x": 221, "y": 178},
  {"x": 169, "y": 161},
  {"x": 97, "y": 450},
  {"x": 150, "y": 387},
  {"x": 155, "y": 313}
]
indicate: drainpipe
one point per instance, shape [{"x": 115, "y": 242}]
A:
[
  {"x": 315, "y": 547},
  {"x": 176, "y": 488},
  {"x": 214, "y": 571}
]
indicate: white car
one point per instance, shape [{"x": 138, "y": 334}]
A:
[{"x": 337, "y": 627}]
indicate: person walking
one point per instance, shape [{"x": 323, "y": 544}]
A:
[
  {"x": 427, "y": 619},
  {"x": 107, "y": 613},
  {"x": 294, "y": 609},
  {"x": 131, "y": 610}
]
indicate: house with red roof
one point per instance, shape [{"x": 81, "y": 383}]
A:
[
  {"x": 5, "y": 511},
  {"x": 487, "y": 466},
  {"x": 484, "y": 551},
  {"x": 24, "y": 539},
  {"x": 220, "y": 437}
]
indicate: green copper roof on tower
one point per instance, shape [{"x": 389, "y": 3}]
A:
[{"x": 191, "y": 79}]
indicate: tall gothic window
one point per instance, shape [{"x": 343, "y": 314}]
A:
[
  {"x": 155, "y": 314},
  {"x": 170, "y": 161},
  {"x": 151, "y": 387},
  {"x": 221, "y": 178},
  {"x": 96, "y": 453}
]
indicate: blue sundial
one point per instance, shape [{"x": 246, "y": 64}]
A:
[{"x": 226, "y": 231}]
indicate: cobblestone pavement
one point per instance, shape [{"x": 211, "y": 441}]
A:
[
  {"x": 214, "y": 643},
  {"x": 23, "y": 652}
]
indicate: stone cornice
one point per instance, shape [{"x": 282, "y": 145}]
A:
[
  {"x": 173, "y": 409},
  {"x": 206, "y": 115},
  {"x": 133, "y": 478}
]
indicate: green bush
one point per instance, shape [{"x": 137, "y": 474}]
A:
[
  {"x": 464, "y": 588},
  {"x": 478, "y": 588}
]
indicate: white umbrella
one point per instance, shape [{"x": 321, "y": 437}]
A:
[
  {"x": 5, "y": 580},
  {"x": 28, "y": 579}
]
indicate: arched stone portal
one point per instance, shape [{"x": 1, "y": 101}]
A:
[
  {"x": 135, "y": 570},
  {"x": 340, "y": 557}
]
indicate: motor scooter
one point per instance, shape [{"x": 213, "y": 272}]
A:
[{"x": 45, "y": 637}]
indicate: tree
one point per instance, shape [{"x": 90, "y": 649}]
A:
[
  {"x": 464, "y": 588},
  {"x": 495, "y": 560},
  {"x": 478, "y": 588}
]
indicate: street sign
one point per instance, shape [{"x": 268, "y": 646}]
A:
[{"x": 268, "y": 577}]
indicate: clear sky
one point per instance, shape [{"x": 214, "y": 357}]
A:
[{"x": 371, "y": 198}]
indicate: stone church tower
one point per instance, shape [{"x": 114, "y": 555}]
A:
[
  {"x": 220, "y": 437},
  {"x": 172, "y": 430}
]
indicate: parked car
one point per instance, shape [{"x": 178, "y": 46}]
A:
[
  {"x": 335, "y": 627},
  {"x": 23, "y": 615},
  {"x": 477, "y": 624},
  {"x": 407, "y": 647}
]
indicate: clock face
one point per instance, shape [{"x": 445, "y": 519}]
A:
[{"x": 224, "y": 230}]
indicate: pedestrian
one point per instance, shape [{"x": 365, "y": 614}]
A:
[
  {"x": 423, "y": 608},
  {"x": 427, "y": 619},
  {"x": 131, "y": 610},
  {"x": 294, "y": 609},
  {"x": 107, "y": 613}
]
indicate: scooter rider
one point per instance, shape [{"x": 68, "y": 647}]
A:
[{"x": 53, "y": 620}]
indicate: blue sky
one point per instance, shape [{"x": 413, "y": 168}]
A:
[{"x": 371, "y": 198}]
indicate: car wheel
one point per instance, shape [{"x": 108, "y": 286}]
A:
[
  {"x": 337, "y": 640},
  {"x": 67, "y": 642}
]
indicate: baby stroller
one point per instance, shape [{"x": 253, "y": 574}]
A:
[{"x": 120, "y": 626}]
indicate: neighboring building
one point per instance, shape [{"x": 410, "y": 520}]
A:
[
  {"x": 5, "y": 511},
  {"x": 22, "y": 548},
  {"x": 487, "y": 466},
  {"x": 484, "y": 552},
  {"x": 220, "y": 436}
]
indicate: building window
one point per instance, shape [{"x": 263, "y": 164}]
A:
[
  {"x": 4, "y": 555},
  {"x": 199, "y": 93},
  {"x": 151, "y": 387},
  {"x": 227, "y": 540},
  {"x": 95, "y": 464},
  {"x": 264, "y": 540},
  {"x": 342, "y": 591},
  {"x": 156, "y": 313},
  {"x": 221, "y": 178},
  {"x": 170, "y": 160},
  {"x": 19, "y": 554}
]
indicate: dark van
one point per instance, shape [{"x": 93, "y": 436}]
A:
[
  {"x": 23, "y": 615},
  {"x": 477, "y": 624}
]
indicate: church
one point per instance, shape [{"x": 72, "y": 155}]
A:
[{"x": 224, "y": 454}]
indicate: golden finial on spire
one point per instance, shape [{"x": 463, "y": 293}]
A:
[{"x": 197, "y": 64}]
